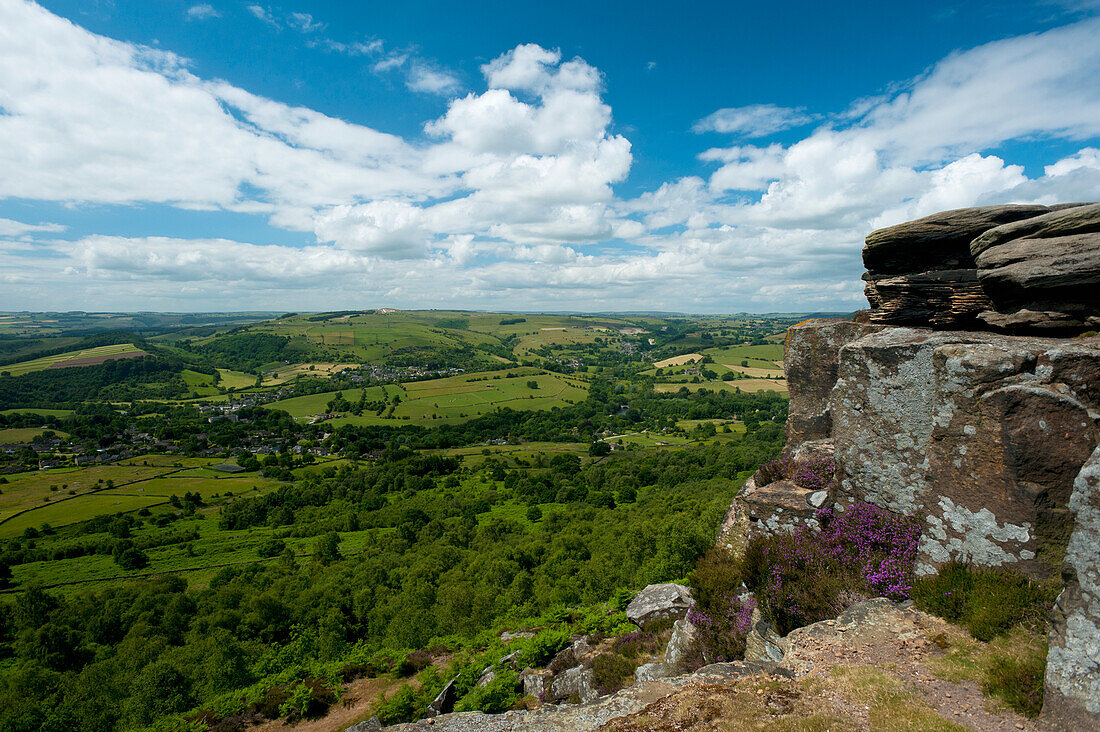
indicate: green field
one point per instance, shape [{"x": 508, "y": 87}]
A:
[
  {"x": 450, "y": 399},
  {"x": 91, "y": 355},
  {"x": 236, "y": 379},
  {"x": 24, "y": 434},
  {"x": 770, "y": 355},
  {"x": 43, "y": 412}
]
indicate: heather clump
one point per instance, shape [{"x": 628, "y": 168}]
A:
[
  {"x": 812, "y": 473},
  {"x": 722, "y": 615},
  {"x": 815, "y": 573}
]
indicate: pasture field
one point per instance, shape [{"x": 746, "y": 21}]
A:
[
  {"x": 766, "y": 356},
  {"x": 283, "y": 373},
  {"x": 73, "y": 510},
  {"x": 681, "y": 360},
  {"x": 44, "y": 412},
  {"x": 746, "y": 385},
  {"x": 25, "y": 434},
  {"x": 236, "y": 379},
  {"x": 86, "y": 357},
  {"x": 68, "y": 495},
  {"x": 451, "y": 399}
]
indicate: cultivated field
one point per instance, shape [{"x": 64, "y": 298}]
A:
[
  {"x": 678, "y": 360},
  {"x": 86, "y": 357}
]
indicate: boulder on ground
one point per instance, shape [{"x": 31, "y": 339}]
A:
[
  {"x": 535, "y": 683},
  {"x": 444, "y": 701},
  {"x": 763, "y": 643},
  {"x": 659, "y": 602},
  {"x": 652, "y": 671},
  {"x": 577, "y": 683}
]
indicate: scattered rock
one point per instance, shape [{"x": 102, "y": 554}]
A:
[
  {"x": 763, "y": 643},
  {"x": 444, "y": 701},
  {"x": 370, "y": 725},
  {"x": 659, "y": 602},
  {"x": 575, "y": 682}
]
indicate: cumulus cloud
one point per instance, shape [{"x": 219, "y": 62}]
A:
[
  {"x": 755, "y": 120},
  {"x": 424, "y": 78},
  {"x": 509, "y": 197}
]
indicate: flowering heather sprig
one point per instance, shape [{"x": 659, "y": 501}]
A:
[
  {"x": 865, "y": 550},
  {"x": 815, "y": 474},
  {"x": 780, "y": 468}
]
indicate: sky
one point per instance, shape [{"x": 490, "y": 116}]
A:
[{"x": 701, "y": 157}]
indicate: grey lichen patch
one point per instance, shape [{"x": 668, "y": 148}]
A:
[{"x": 973, "y": 536}]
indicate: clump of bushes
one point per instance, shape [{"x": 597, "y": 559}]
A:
[
  {"x": 814, "y": 574},
  {"x": 611, "y": 672},
  {"x": 989, "y": 601}
]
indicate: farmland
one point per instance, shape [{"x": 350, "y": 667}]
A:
[{"x": 86, "y": 357}]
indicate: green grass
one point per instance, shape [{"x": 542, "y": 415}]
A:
[
  {"x": 451, "y": 399},
  {"x": 73, "y": 510},
  {"x": 25, "y": 434},
  {"x": 40, "y": 364},
  {"x": 763, "y": 356},
  {"x": 236, "y": 379},
  {"x": 41, "y": 412}
]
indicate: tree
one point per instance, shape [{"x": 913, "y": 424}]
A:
[
  {"x": 532, "y": 384},
  {"x": 599, "y": 449},
  {"x": 327, "y": 549},
  {"x": 132, "y": 559}
]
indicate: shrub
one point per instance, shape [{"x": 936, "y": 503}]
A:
[
  {"x": 637, "y": 643},
  {"x": 815, "y": 474},
  {"x": 414, "y": 662},
  {"x": 776, "y": 469},
  {"x": 989, "y": 601},
  {"x": 611, "y": 672},
  {"x": 813, "y": 574}
]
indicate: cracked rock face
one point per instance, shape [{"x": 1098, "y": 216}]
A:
[{"x": 1072, "y": 696}]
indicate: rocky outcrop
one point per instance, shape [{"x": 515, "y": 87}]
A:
[
  {"x": 575, "y": 684},
  {"x": 813, "y": 348},
  {"x": 1043, "y": 273},
  {"x": 980, "y": 434},
  {"x": 680, "y": 644},
  {"x": 1072, "y": 698},
  {"x": 590, "y": 716},
  {"x": 922, "y": 272},
  {"x": 1012, "y": 268},
  {"x": 659, "y": 602}
]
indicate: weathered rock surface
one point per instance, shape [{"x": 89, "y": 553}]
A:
[
  {"x": 950, "y": 298},
  {"x": 444, "y": 701},
  {"x": 763, "y": 643},
  {"x": 535, "y": 682},
  {"x": 978, "y": 433},
  {"x": 1072, "y": 698},
  {"x": 810, "y": 364},
  {"x": 652, "y": 671},
  {"x": 680, "y": 644},
  {"x": 581, "y": 717},
  {"x": 574, "y": 684},
  {"x": 659, "y": 602},
  {"x": 1048, "y": 266}
]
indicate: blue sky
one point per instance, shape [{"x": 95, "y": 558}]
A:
[{"x": 703, "y": 157}]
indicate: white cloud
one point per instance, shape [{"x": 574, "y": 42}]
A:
[
  {"x": 509, "y": 198},
  {"x": 202, "y": 11},
  {"x": 304, "y": 22},
  {"x": 264, "y": 14},
  {"x": 755, "y": 120},
  {"x": 423, "y": 78},
  {"x": 8, "y": 227}
]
